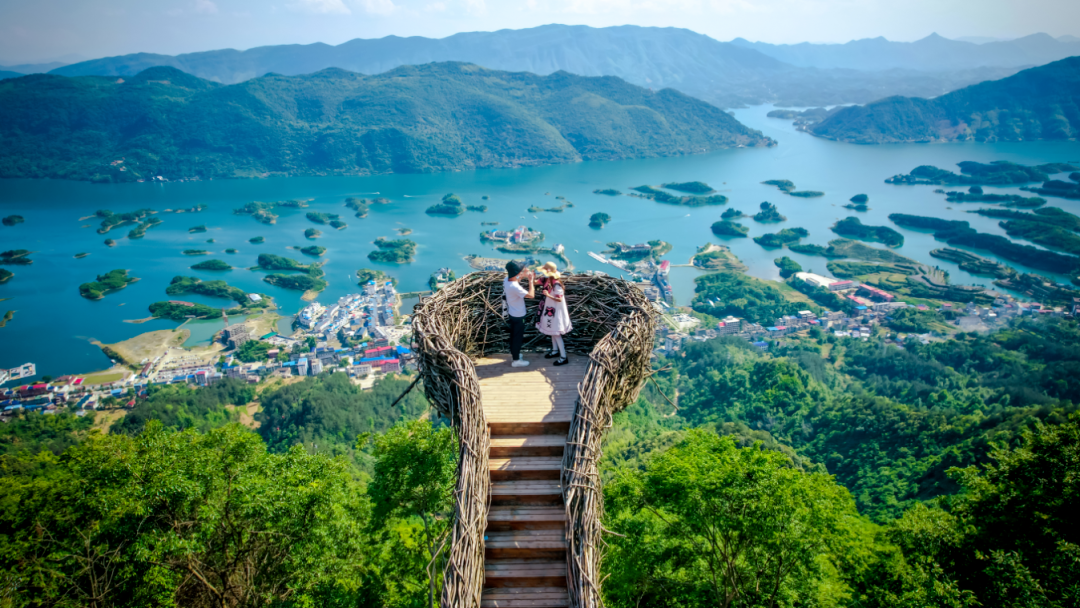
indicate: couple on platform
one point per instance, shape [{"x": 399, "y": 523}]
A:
[{"x": 553, "y": 316}]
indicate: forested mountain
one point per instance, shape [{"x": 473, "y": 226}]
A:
[
  {"x": 721, "y": 73},
  {"x": 933, "y": 53},
  {"x": 435, "y": 117},
  {"x": 1040, "y": 103}
]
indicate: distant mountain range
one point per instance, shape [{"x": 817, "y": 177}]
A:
[
  {"x": 428, "y": 118},
  {"x": 725, "y": 74},
  {"x": 933, "y": 53},
  {"x": 1040, "y": 103}
]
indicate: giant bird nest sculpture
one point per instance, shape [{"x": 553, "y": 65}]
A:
[{"x": 613, "y": 326}]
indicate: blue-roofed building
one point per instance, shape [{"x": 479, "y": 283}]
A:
[{"x": 761, "y": 345}]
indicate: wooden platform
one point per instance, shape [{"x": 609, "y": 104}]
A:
[{"x": 528, "y": 410}]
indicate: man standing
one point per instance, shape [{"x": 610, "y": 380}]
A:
[{"x": 515, "y": 305}]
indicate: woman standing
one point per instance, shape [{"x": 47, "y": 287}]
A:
[{"x": 554, "y": 316}]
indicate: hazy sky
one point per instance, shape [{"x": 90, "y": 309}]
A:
[{"x": 40, "y": 30}]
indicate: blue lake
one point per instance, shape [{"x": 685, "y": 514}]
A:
[{"x": 52, "y": 325}]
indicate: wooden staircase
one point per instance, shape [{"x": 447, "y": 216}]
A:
[{"x": 528, "y": 412}]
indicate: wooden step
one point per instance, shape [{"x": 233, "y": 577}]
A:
[
  {"x": 526, "y": 492},
  {"x": 551, "y": 424},
  {"x": 526, "y": 518},
  {"x": 525, "y": 467},
  {"x": 525, "y": 597},
  {"x": 524, "y": 573},
  {"x": 527, "y": 445},
  {"x": 525, "y": 544}
]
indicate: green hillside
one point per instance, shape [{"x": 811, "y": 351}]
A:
[
  {"x": 414, "y": 119},
  {"x": 1040, "y": 103}
]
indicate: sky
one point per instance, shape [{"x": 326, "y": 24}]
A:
[{"x": 69, "y": 30}]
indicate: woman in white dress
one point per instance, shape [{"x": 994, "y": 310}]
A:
[{"x": 554, "y": 316}]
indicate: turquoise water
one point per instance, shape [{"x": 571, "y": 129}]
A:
[{"x": 53, "y": 324}]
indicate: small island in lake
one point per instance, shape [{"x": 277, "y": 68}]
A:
[
  {"x": 852, "y": 227},
  {"x": 5, "y": 275},
  {"x": 1047, "y": 215},
  {"x": 997, "y": 173},
  {"x": 636, "y": 253},
  {"x": 11, "y": 220},
  {"x": 264, "y": 212},
  {"x": 312, "y": 233},
  {"x": 691, "y": 187},
  {"x": 858, "y": 203},
  {"x": 731, "y": 214},
  {"x": 269, "y": 261},
  {"x": 110, "y": 220},
  {"x": 478, "y": 208},
  {"x": 364, "y": 275},
  {"x": 729, "y": 228},
  {"x": 231, "y": 250},
  {"x": 559, "y": 209},
  {"x": 139, "y": 231},
  {"x": 212, "y": 265},
  {"x": 785, "y": 185},
  {"x": 599, "y": 220},
  {"x": 660, "y": 196},
  {"x": 808, "y": 249},
  {"x": 787, "y": 266},
  {"x": 975, "y": 194},
  {"x": 314, "y": 250},
  {"x": 338, "y": 224},
  {"x": 777, "y": 240},
  {"x": 256, "y": 240},
  {"x": 399, "y": 251},
  {"x": 806, "y": 193},
  {"x": 311, "y": 282},
  {"x": 403, "y": 231},
  {"x": 450, "y": 205},
  {"x": 359, "y": 205},
  {"x": 769, "y": 214},
  {"x": 200, "y": 228},
  {"x": 9, "y": 315},
  {"x": 489, "y": 223},
  {"x": 218, "y": 289},
  {"x": 209, "y": 240},
  {"x": 114, "y": 280},
  {"x": 321, "y": 218},
  {"x": 607, "y": 192},
  {"x": 195, "y": 252},
  {"x": 178, "y": 310},
  {"x": 79, "y": 256},
  {"x": 19, "y": 257},
  {"x": 717, "y": 257},
  {"x": 110, "y": 242}
]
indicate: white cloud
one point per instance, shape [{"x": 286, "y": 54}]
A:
[
  {"x": 435, "y": 7},
  {"x": 321, "y": 7},
  {"x": 205, "y": 7},
  {"x": 379, "y": 7},
  {"x": 476, "y": 7}
]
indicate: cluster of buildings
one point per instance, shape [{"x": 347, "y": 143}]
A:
[
  {"x": 354, "y": 313},
  {"x": 521, "y": 234}
]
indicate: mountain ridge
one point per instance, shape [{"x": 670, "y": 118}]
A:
[
  {"x": 1038, "y": 103},
  {"x": 436, "y": 117},
  {"x": 721, "y": 73}
]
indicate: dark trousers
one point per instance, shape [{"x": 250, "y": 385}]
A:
[{"x": 517, "y": 336}]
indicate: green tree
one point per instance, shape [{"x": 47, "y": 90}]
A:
[
  {"x": 709, "y": 524},
  {"x": 1022, "y": 546},
  {"x": 415, "y": 473},
  {"x": 169, "y": 518}
]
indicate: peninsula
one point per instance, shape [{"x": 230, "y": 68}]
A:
[
  {"x": 364, "y": 275},
  {"x": 973, "y": 263},
  {"x": 217, "y": 289}
]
